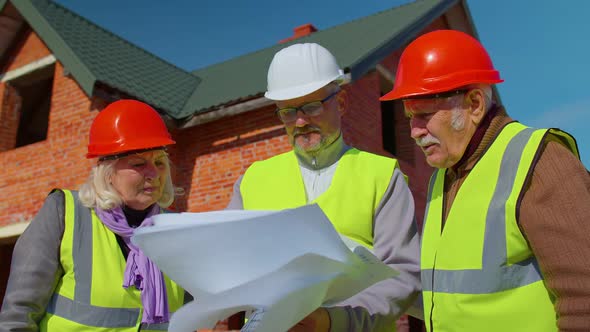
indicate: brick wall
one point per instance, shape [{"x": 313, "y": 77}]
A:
[
  {"x": 31, "y": 171},
  {"x": 29, "y": 48},
  {"x": 9, "y": 116},
  {"x": 209, "y": 158}
]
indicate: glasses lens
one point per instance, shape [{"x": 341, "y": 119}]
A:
[
  {"x": 312, "y": 109},
  {"x": 287, "y": 114}
]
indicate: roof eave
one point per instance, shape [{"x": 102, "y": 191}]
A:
[
  {"x": 199, "y": 118},
  {"x": 225, "y": 111}
]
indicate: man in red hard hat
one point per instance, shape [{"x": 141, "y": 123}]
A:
[{"x": 505, "y": 239}]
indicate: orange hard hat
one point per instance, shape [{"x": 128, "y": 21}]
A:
[
  {"x": 441, "y": 61},
  {"x": 126, "y": 125}
]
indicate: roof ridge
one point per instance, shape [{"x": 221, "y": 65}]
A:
[
  {"x": 371, "y": 15},
  {"x": 304, "y": 37},
  {"x": 54, "y": 3}
]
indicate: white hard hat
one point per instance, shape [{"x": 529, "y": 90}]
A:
[{"x": 299, "y": 70}]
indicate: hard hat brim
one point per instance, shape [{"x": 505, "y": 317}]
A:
[
  {"x": 401, "y": 93},
  {"x": 301, "y": 90},
  {"x": 97, "y": 151}
]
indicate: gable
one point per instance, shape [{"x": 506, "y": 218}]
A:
[
  {"x": 358, "y": 46},
  {"x": 94, "y": 55}
]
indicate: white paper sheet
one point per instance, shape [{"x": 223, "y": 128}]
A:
[{"x": 282, "y": 264}]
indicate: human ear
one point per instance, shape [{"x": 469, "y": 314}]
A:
[{"x": 476, "y": 104}]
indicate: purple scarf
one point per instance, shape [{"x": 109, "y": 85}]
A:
[{"x": 140, "y": 271}]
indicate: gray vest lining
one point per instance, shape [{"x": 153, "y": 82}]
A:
[{"x": 154, "y": 327}]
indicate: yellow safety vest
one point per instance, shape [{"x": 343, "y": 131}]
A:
[
  {"x": 479, "y": 273},
  {"x": 358, "y": 185},
  {"x": 90, "y": 296}
]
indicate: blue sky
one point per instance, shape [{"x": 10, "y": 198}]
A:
[{"x": 540, "y": 47}]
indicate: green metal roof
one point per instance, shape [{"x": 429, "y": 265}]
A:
[
  {"x": 93, "y": 54},
  {"x": 358, "y": 46}
]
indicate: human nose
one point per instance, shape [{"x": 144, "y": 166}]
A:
[
  {"x": 150, "y": 171},
  {"x": 301, "y": 119},
  {"x": 417, "y": 128}
]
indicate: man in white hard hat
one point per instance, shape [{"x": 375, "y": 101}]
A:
[{"x": 364, "y": 195}]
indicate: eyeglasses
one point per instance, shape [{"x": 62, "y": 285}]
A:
[
  {"x": 314, "y": 108},
  {"x": 445, "y": 94}
]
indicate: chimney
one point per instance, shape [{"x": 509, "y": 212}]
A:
[{"x": 300, "y": 31}]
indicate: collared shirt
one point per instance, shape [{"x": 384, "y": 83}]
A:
[{"x": 317, "y": 179}]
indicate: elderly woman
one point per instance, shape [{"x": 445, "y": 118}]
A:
[{"x": 74, "y": 268}]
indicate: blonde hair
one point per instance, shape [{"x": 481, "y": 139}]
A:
[{"x": 98, "y": 191}]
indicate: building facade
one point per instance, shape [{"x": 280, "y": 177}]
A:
[{"x": 52, "y": 86}]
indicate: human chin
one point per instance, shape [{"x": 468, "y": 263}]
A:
[
  {"x": 144, "y": 199},
  {"x": 308, "y": 142},
  {"x": 435, "y": 157}
]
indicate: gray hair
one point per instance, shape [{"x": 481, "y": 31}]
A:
[
  {"x": 457, "y": 119},
  {"x": 98, "y": 191}
]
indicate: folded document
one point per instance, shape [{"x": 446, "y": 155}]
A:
[{"x": 281, "y": 264}]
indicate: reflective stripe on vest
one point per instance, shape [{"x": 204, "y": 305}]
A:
[
  {"x": 80, "y": 310},
  {"x": 154, "y": 327},
  {"x": 495, "y": 275}
]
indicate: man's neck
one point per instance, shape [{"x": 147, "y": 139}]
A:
[{"x": 325, "y": 157}]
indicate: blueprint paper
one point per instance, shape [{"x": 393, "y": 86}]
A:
[{"x": 280, "y": 264}]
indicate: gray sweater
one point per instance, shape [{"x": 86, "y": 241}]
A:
[{"x": 35, "y": 268}]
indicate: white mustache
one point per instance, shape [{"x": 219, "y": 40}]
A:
[
  {"x": 426, "y": 140},
  {"x": 306, "y": 130}
]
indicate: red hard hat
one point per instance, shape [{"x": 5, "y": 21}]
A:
[
  {"x": 441, "y": 61},
  {"x": 126, "y": 125}
]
